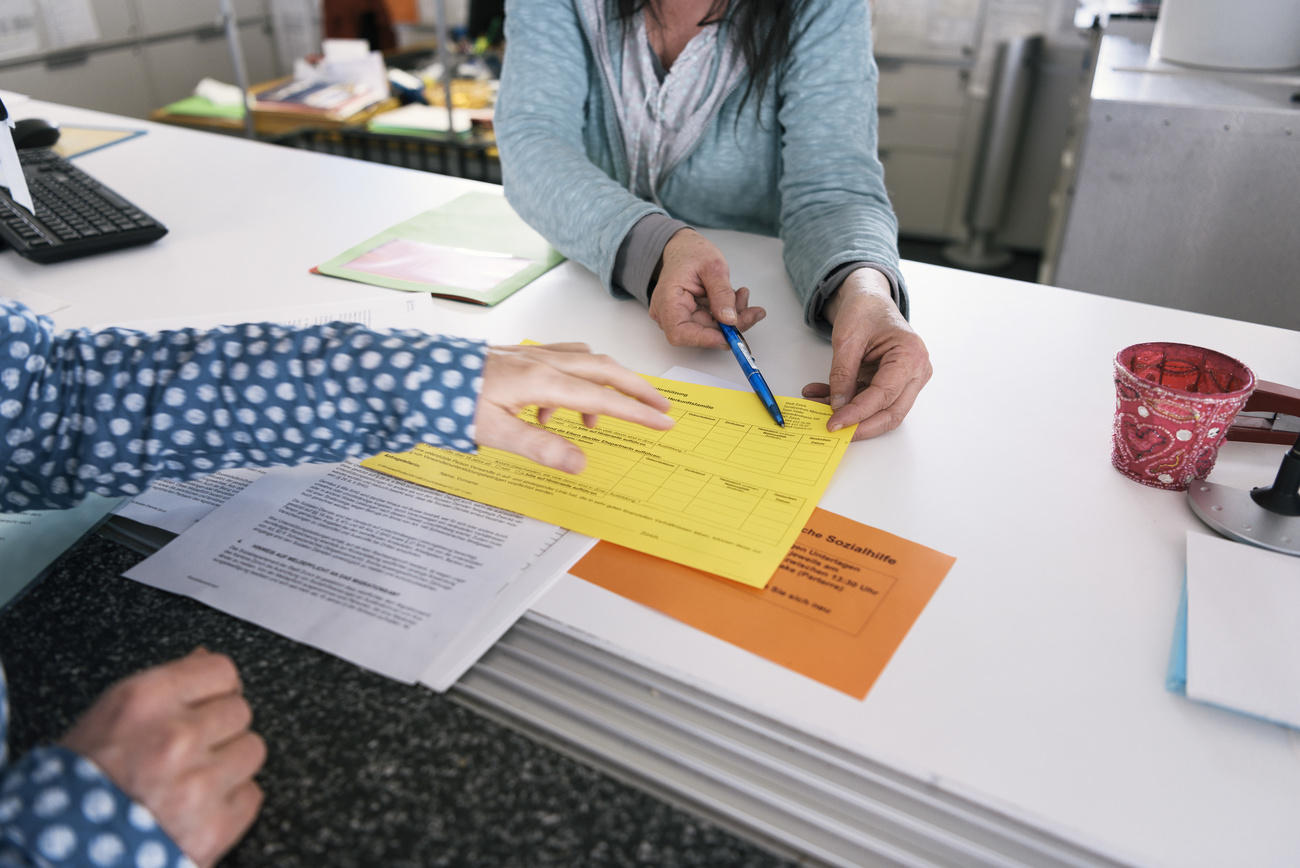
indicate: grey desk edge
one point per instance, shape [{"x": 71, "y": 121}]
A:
[{"x": 773, "y": 784}]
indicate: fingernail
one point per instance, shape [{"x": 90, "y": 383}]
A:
[
  {"x": 729, "y": 315},
  {"x": 838, "y": 401},
  {"x": 833, "y": 426},
  {"x": 573, "y": 464},
  {"x": 665, "y": 419}
]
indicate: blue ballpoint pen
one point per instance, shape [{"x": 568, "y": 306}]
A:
[{"x": 740, "y": 350}]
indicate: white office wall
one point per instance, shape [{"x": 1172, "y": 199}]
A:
[
  {"x": 143, "y": 54},
  {"x": 176, "y": 65},
  {"x": 116, "y": 81},
  {"x": 164, "y": 16}
]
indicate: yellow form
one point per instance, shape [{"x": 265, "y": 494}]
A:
[{"x": 725, "y": 491}]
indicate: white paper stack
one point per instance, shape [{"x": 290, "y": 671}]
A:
[
  {"x": 1237, "y": 641},
  {"x": 404, "y": 580}
]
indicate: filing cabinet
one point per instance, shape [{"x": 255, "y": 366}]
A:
[
  {"x": 923, "y": 108},
  {"x": 935, "y": 61},
  {"x": 920, "y": 187}
]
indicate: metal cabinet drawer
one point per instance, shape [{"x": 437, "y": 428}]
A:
[
  {"x": 920, "y": 187},
  {"x": 926, "y": 128},
  {"x": 917, "y": 83}
]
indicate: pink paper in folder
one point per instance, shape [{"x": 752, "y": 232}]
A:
[{"x": 419, "y": 262}]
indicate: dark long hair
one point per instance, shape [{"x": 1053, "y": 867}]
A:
[{"x": 764, "y": 29}]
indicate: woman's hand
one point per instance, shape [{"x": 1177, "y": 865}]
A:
[
  {"x": 553, "y": 376},
  {"x": 176, "y": 738},
  {"x": 878, "y": 363},
  {"x": 694, "y": 293}
]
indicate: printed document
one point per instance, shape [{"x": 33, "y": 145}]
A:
[
  {"x": 176, "y": 506},
  {"x": 725, "y": 491},
  {"x": 394, "y": 577}
]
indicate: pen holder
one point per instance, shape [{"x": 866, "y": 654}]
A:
[{"x": 1173, "y": 406}]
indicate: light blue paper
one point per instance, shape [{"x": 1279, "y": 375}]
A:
[
  {"x": 1176, "y": 679},
  {"x": 31, "y": 541}
]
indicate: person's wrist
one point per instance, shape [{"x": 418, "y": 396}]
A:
[
  {"x": 680, "y": 234},
  {"x": 862, "y": 283}
]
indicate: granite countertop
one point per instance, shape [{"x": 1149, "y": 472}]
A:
[{"x": 362, "y": 770}]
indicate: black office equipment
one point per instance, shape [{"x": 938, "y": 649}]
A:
[
  {"x": 75, "y": 214},
  {"x": 35, "y": 133}
]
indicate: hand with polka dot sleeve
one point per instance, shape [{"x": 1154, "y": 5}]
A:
[
  {"x": 158, "y": 773},
  {"x": 110, "y": 411}
]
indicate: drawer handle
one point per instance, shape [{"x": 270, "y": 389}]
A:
[{"x": 75, "y": 57}]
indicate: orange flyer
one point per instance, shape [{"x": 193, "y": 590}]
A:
[{"x": 835, "y": 610}]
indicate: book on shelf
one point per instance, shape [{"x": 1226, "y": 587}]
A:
[{"x": 331, "y": 100}]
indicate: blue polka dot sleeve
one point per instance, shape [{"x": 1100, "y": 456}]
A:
[
  {"x": 109, "y": 412},
  {"x": 58, "y": 808}
]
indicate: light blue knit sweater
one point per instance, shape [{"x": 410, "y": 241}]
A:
[{"x": 800, "y": 164}]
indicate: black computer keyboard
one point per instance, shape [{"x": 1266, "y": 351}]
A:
[{"x": 75, "y": 214}]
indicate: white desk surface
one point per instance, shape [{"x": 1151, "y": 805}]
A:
[{"x": 1034, "y": 680}]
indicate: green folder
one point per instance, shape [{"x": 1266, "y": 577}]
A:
[
  {"x": 198, "y": 106},
  {"x": 474, "y": 248}
]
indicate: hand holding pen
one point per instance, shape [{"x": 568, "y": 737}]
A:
[
  {"x": 694, "y": 304},
  {"x": 694, "y": 293}
]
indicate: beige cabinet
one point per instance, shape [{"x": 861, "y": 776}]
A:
[
  {"x": 920, "y": 188},
  {"x": 923, "y": 108},
  {"x": 936, "y": 59}
]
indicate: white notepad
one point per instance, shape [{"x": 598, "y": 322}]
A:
[{"x": 1243, "y": 628}]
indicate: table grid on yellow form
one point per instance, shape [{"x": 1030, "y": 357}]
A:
[
  {"x": 725, "y": 490},
  {"x": 705, "y": 497},
  {"x": 709, "y": 501}
]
